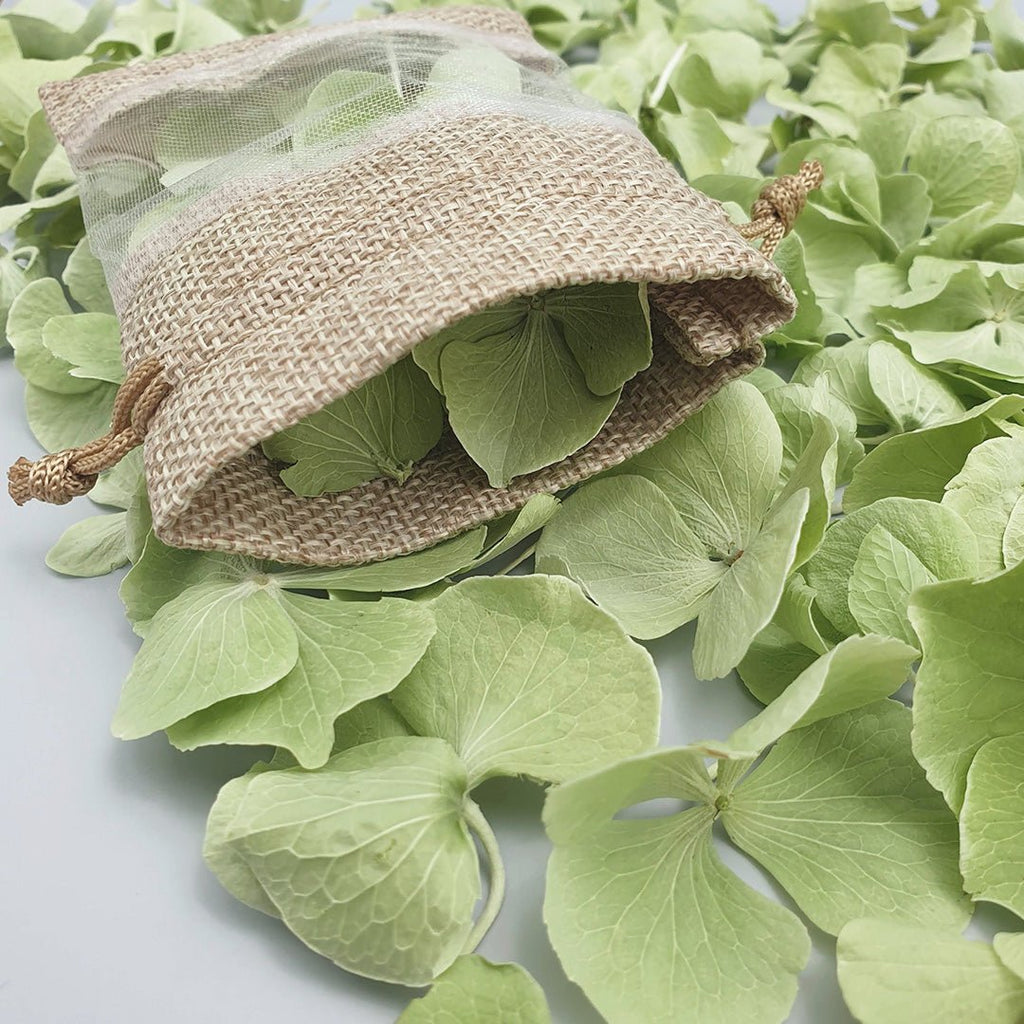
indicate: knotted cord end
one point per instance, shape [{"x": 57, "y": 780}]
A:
[
  {"x": 61, "y": 476},
  {"x": 779, "y": 203},
  {"x": 50, "y": 479},
  {"x": 17, "y": 481}
]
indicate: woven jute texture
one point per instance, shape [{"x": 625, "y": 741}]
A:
[{"x": 298, "y": 292}]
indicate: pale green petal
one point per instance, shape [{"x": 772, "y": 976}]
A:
[
  {"x": 30, "y": 311},
  {"x": 526, "y": 677},
  {"x": 559, "y": 25},
  {"x": 1013, "y": 538},
  {"x": 856, "y": 672},
  {"x": 213, "y": 641},
  {"x": 255, "y": 16},
  {"x": 981, "y": 231},
  {"x": 617, "y": 86},
  {"x": 884, "y": 576},
  {"x": 746, "y": 599},
  {"x": 885, "y": 137},
  {"x": 191, "y": 136},
  {"x": 842, "y": 815},
  {"x": 845, "y": 371},
  {"x": 796, "y": 614},
  {"x": 806, "y": 325},
  {"x": 135, "y": 30},
  {"x": 912, "y": 395},
  {"x": 992, "y": 824},
  {"x": 624, "y": 543},
  {"x": 91, "y": 547},
  {"x": 474, "y": 69},
  {"x": 222, "y": 859},
  {"x": 713, "y": 951},
  {"x": 56, "y": 29},
  {"x": 345, "y": 103},
  {"x": 18, "y": 269},
  {"x": 774, "y": 659},
  {"x": 696, "y": 140},
  {"x": 857, "y": 80},
  {"x": 798, "y": 410},
  {"x": 475, "y": 991},
  {"x": 905, "y": 207},
  {"x": 970, "y": 316},
  {"x": 348, "y": 653},
  {"x": 719, "y": 468},
  {"x": 873, "y": 284},
  {"x": 518, "y": 401},
  {"x": 515, "y": 377},
  {"x": 986, "y": 491},
  {"x": 84, "y": 278},
  {"x": 502, "y": 536},
  {"x": 89, "y": 342},
  {"x": 835, "y": 246},
  {"x": 380, "y": 429},
  {"x": 198, "y": 28},
  {"x": 831, "y": 119},
  {"x": 20, "y": 81},
  {"x": 954, "y": 43},
  {"x": 815, "y": 472},
  {"x": 893, "y": 973},
  {"x": 374, "y": 719},
  {"x": 725, "y": 71},
  {"x": 919, "y": 464},
  {"x": 584, "y": 805},
  {"x": 406, "y": 572},
  {"x": 61, "y": 421},
  {"x": 943, "y": 542},
  {"x": 1006, "y": 30},
  {"x": 121, "y": 485},
  {"x": 492, "y": 322},
  {"x": 42, "y": 167},
  {"x": 850, "y": 192},
  {"x": 966, "y": 161},
  {"x": 608, "y": 330},
  {"x": 650, "y": 924},
  {"x": 750, "y": 142},
  {"x": 970, "y": 687},
  {"x": 1009, "y": 947},
  {"x": 162, "y": 573},
  {"x": 138, "y": 525},
  {"x": 367, "y": 860}
]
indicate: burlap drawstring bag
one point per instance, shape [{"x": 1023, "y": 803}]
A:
[{"x": 282, "y": 264}]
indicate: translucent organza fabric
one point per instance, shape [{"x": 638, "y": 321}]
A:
[{"x": 167, "y": 155}]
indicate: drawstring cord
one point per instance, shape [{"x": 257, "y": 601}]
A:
[{"x": 59, "y": 477}]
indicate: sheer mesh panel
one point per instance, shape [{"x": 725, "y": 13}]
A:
[{"x": 193, "y": 142}]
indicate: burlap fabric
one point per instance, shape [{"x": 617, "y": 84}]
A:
[{"x": 294, "y": 291}]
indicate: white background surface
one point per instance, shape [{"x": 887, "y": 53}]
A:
[{"x": 108, "y": 915}]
